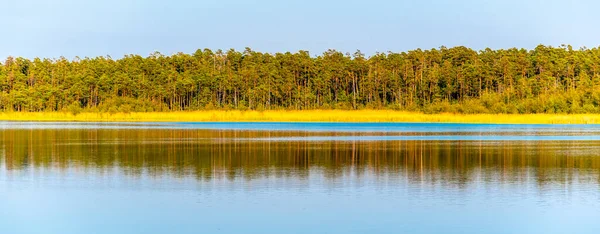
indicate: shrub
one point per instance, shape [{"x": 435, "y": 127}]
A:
[
  {"x": 589, "y": 108},
  {"x": 75, "y": 108},
  {"x": 113, "y": 110},
  {"x": 126, "y": 108}
]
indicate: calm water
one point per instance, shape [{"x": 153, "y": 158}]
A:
[{"x": 298, "y": 178}]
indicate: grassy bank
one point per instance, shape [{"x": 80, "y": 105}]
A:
[{"x": 307, "y": 116}]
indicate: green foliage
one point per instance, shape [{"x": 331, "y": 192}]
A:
[
  {"x": 125, "y": 109},
  {"x": 458, "y": 80},
  {"x": 74, "y": 108}
]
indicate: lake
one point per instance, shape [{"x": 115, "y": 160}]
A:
[{"x": 298, "y": 178}]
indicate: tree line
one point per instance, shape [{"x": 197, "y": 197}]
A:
[{"x": 461, "y": 80}]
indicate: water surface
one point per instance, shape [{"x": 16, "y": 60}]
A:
[{"x": 298, "y": 178}]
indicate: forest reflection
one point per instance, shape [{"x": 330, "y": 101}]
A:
[{"x": 206, "y": 154}]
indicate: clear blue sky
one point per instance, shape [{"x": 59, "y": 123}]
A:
[{"x": 42, "y": 28}]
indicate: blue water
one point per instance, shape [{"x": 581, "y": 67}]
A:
[
  {"x": 388, "y": 127},
  {"x": 298, "y": 178},
  {"x": 419, "y": 131},
  {"x": 311, "y": 127}
]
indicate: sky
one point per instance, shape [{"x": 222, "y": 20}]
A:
[{"x": 69, "y": 28}]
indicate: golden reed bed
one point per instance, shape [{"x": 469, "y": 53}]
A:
[{"x": 308, "y": 116}]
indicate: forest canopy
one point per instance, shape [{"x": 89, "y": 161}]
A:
[{"x": 460, "y": 80}]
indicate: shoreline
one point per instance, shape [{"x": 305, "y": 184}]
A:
[{"x": 345, "y": 116}]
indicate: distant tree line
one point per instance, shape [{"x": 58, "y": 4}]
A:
[{"x": 543, "y": 80}]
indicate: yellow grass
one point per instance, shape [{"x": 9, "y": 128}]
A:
[{"x": 307, "y": 116}]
